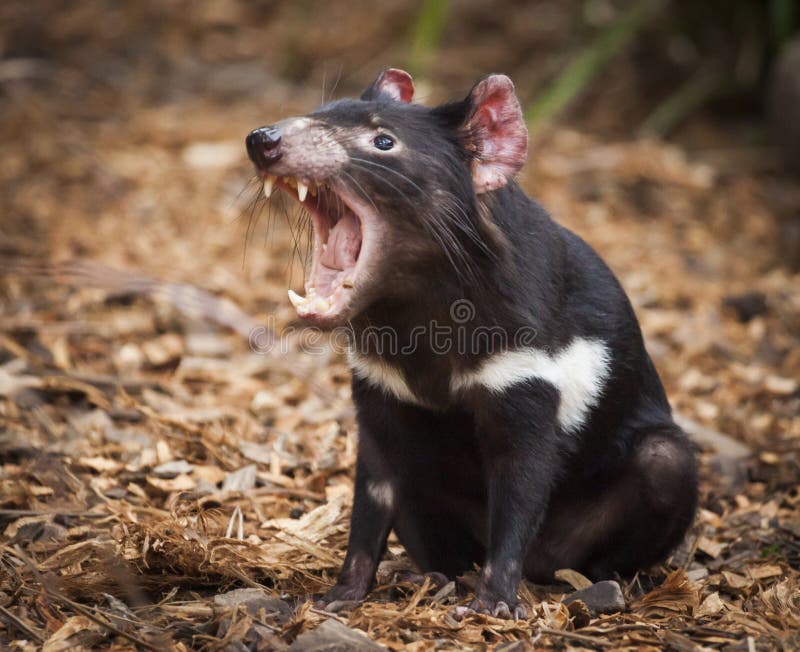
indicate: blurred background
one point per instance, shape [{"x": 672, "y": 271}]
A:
[
  {"x": 663, "y": 132},
  {"x": 136, "y": 255}
]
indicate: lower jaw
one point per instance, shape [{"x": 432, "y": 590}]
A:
[
  {"x": 320, "y": 309},
  {"x": 324, "y": 322},
  {"x": 328, "y": 308}
]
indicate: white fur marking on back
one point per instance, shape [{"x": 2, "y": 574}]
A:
[
  {"x": 382, "y": 375},
  {"x": 382, "y": 493},
  {"x": 578, "y": 371}
]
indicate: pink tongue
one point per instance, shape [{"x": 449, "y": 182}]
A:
[{"x": 344, "y": 243}]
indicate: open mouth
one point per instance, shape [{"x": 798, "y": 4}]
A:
[{"x": 339, "y": 246}]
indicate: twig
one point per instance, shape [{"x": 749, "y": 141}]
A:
[
  {"x": 55, "y": 594},
  {"x": 19, "y": 513},
  {"x": 21, "y": 625},
  {"x": 237, "y": 520},
  {"x": 108, "y": 381},
  {"x": 591, "y": 640},
  {"x": 85, "y": 611}
]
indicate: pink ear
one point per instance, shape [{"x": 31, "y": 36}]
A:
[
  {"x": 395, "y": 83},
  {"x": 497, "y": 133}
]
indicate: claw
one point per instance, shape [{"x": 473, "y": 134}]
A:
[
  {"x": 461, "y": 612},
  {"x": 501, "y": 610},
  {"x": 498, "y": 609},
  {"x": 338, "y": 606}
]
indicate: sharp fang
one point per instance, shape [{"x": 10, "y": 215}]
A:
[
  {"x": 269, "y": 181},
  {"x": 296, "y": 299},
  {"x": 302, "y": 190}
]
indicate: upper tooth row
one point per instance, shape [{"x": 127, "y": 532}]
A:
[{"x": 303, "y": 188}]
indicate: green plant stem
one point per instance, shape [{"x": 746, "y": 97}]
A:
[
  {"x": 589, "y": 63},
  {"x": 703, "y": 86},
  {"x": 427, "y": 34}
]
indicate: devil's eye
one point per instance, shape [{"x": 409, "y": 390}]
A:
[{"x": 383, "y": 142}]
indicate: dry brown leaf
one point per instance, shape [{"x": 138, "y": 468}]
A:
[
  {"x": 675, "y": 595},
  {"x": 76, "y": 632},
  {"x": 181, "y": 482},
  {"x": 736, "y": 581},
  {"x": 766, "y": 570},
  {"x": 711, "y": 605},
  {"x": 573, "y": 578},
  {"x": 100, "y": 464},
  {"x": 712, "y": 548}
]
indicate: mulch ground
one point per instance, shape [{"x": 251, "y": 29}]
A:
[{"x": 159, "y": 450}]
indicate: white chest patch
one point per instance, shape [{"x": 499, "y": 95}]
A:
[
  {"x": 579, "y": 372},
  {"x": 382, "y": 375}
]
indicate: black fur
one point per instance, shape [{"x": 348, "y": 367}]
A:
[{"x": 492, "y": 478}]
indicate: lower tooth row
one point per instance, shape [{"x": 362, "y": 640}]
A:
[{"x": 310, "y": 302}]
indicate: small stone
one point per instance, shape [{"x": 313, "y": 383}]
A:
[
  {"x": 333, "y": 636},
  {"x": 600, "y": 598}
]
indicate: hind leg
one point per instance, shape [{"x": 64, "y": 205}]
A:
[{"x": 631, "y": 522}]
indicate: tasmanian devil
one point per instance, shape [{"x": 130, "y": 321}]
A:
[{"x": 509, "y": 415}]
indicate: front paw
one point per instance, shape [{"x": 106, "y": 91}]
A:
[
  {"x": 496, "y": 608},
  {"x": 341, "y": 595}
]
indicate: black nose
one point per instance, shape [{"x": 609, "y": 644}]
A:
[{"x": 263, "y": 145}]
